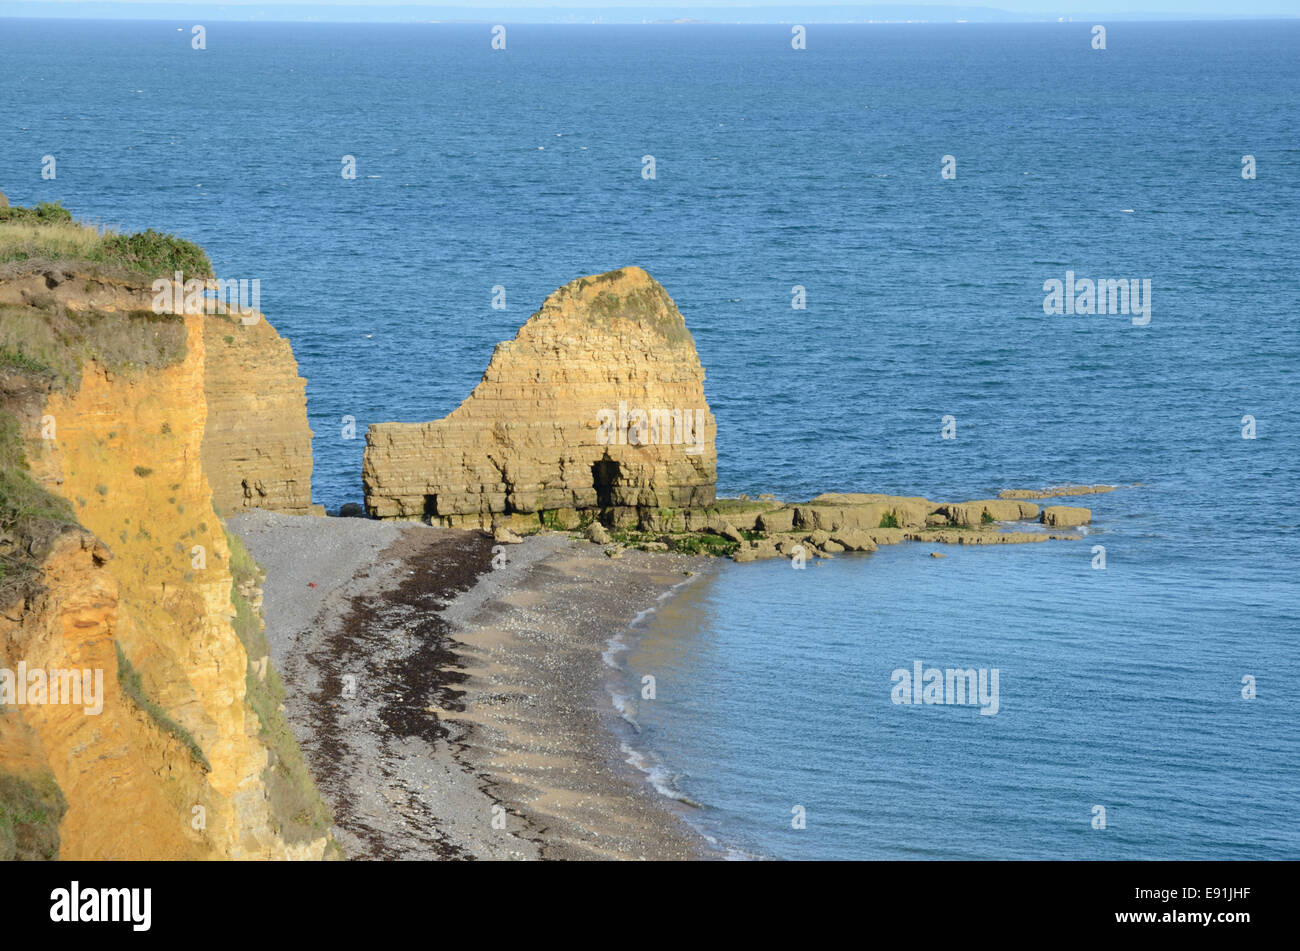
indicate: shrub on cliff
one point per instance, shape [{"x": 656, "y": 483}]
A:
[
  {"x": 47, "y": 233},
  {"x": 46, "y": 212},
  {"x": 31, "y": 809},
  {"x": 156, "y": 254},
  {"x": 29, "y": 516}
]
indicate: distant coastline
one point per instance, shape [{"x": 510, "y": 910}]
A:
[{"x": 588, "y": 15}]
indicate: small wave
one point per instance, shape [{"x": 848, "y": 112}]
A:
[
  {"x": 658, "y": 776},
  {"x": 627, "y": 709},
  {"x": 614, "y": 647}
]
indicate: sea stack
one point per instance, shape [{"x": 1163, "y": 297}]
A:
[{"x": 597, "y": 405}]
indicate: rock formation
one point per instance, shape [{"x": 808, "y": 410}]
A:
[
  {"x": 752, "y": 529},
  {"x": 116, "y": 562},
  {"x": 597, "y": 405},
  {"x": 257, "y": 446}
]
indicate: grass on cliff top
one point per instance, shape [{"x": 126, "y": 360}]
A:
[
  {"x": 37, "y": 338},
  {"x": 31, "y": 809},
  {"x": 47, "y": 233},
  {"x": 647, "y": 305},
  {"x": 297, "y": 808}
]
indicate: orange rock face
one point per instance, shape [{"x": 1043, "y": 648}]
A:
[
  {"x": 597, "y": 404},
  {"x": 177, "y": 769},
  {"x": 256, "y": 446},
  {"x": 153, "y": 577}
]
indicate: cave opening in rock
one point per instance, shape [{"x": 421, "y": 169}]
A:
[
  {"x": 604, "y": 476},
  {"x": 430, "y": 507}
]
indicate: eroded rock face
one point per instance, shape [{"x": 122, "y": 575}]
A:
[
  {"x": 177, "y": 761},
  {"x": 256, "y": 447},
  {"x": 597, "y": 404},
  {"x": 147, "y": 574}
]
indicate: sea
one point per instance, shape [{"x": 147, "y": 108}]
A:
[{"x": 921, "y": 185}]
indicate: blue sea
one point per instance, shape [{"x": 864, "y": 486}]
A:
[{"x": 1120, "y": 688}]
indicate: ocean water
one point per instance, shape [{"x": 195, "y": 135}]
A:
[{"x": 821, "y": 168}]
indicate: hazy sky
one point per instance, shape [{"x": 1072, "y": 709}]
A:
[{"x": 781, "y": 10}]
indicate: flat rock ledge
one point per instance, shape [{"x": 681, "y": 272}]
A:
[{"x": 747, "y": 529}]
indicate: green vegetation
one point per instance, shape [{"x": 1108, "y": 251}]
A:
[
  {"x": 29, "y": 515},
  {"x": 30, "y": 812},
  {"x": 129, "y": 680},
  {"x": 143, "y": 471},
  {"x": 155, "y": 254},
  {"x": 54, "y": 342},
  {"x": 21, "y": 362},
  {"x": 703, "y": 543},
  {"x": 647, "y": 305},
  {"x": 47, "y": 212},
  {"x": 889, "y": 520},
  {"x": 296, "y": 805},
  {"x": 47, "y": 233},
  {"x": 986, "y": 518},
  {"x": 632, "y": 538}
]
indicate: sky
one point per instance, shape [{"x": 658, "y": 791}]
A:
[{"x": 769, "y": 10}]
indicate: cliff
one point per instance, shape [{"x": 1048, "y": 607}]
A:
[
  {"x": 256, "y": 445},
  {"x": 113, "y": 561},
  {"x": 597, "y": 405}
]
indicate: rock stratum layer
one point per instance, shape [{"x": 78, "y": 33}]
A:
[
  {"x": 596, "y": 405},
  {"x": 256, "y": 445},
  {"x": 117, "y": 563}
]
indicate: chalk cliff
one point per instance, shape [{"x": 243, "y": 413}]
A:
[
  {"x": 597, "y": 405},
  {"x": 113, "y": 560}
]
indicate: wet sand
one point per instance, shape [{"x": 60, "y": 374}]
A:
[{"x": 449, "y": 694}]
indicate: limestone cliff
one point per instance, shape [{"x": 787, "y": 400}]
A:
[
  {"x": 597, "y": 404},
  {"x": 113, "y": 559},
  {"x": 256, "y": 446}
]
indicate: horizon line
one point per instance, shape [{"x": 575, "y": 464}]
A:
[{"x": 686, "y": 21}]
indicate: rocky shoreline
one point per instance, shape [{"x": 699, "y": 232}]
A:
[
  {"x": 448, "y": 693},
  {"x": 447, "y": 689}
]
